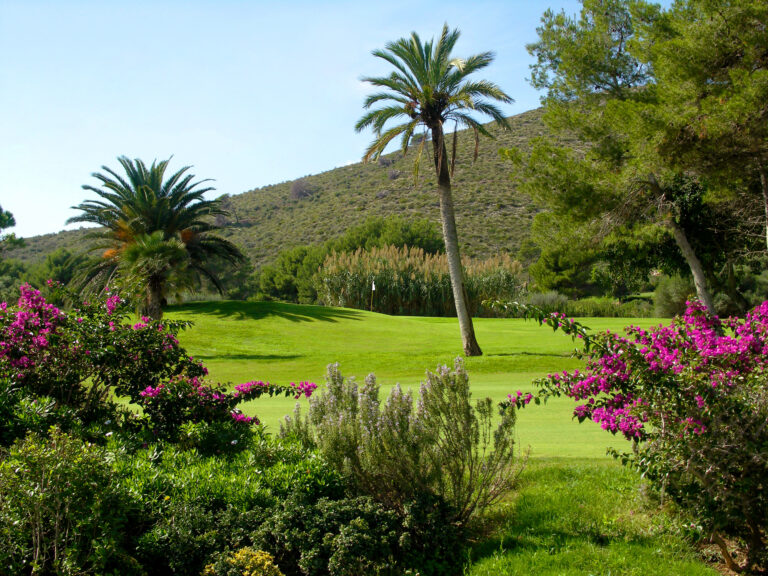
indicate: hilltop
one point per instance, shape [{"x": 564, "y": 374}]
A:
[{"x": 492, "y": 216}]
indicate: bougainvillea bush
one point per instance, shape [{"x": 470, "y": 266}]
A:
[
  {"x": 692, "y": 397},
  {"x": 60, "y": 367}
]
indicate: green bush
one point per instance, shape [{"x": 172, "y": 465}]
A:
[
  {"x": 608, "y": 308},
  {"x": 397, "y": 453},
  {"x": 190, "y": 535},
  {"x": 551, "y": 301},
  {"x": 199, "y": 506},
  {"x": 671, "y": 295},
  {"x": 21, "y": 414},
  {"x": 333, "y": 537},
  {"x": 215, "y": 437},
  {"x": 62, "y": 510},
  {"x": 599, "y": 307}
]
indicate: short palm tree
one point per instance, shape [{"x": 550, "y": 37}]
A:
[
  {"x": 157, "y": 233},
  {"x": 428, "y": 88}
]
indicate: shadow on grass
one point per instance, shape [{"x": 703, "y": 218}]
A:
[
  {"x": 248, "y": 356},
  {"x": 552, "y": 354},
  {"x": 237, "y": 310}
]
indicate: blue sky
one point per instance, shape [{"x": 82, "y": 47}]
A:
[{"x": 249, "y": 93}]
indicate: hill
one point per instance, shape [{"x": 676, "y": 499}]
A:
[{"x": 492, "y": 216}]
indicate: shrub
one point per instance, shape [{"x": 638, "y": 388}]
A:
[
  {"x": 301, "y": 189},
  {"x": 76, "y": 357},
  {"x": 62, "y": 511},
  {"x": 333, "y": 537},
  {"x": 61, "y": 368},
  {"x": 395, "y": 453},
  {"x": 693, "y": 399},
  {"x": 21, "y": 414},
  {"x": 354, "y": 536},
  {"x": 191, "y": 400},
  {"x": 199, "y": 507},
  {"x": 189, "y": 535},
  {"x": 553, "y": 301},
  {"x": 244, "y": 562}
]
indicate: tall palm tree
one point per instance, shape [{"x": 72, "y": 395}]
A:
[
  {"x": 156, "y": 232},
  {"x": 428, "y": 88}
]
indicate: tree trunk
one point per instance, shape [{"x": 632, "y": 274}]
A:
[
  {"x": 451, "y": 239},
  {"x": 764, "y": 188},
  {"x": 699, "y": 279},
  {"x": 153, "y": 305}
]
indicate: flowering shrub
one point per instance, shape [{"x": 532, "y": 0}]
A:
[
  {"x": 189, "y": 399},
  {"x": 693, "y": 399},
  {"x": 77, "y": 358}
]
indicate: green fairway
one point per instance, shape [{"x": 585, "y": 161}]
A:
[{"x": 281, "y": 343}]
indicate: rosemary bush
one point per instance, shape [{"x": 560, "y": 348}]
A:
[{"x": 399, "y": 451}]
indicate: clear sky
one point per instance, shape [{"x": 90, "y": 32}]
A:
[{"x": 249, "y": 93}]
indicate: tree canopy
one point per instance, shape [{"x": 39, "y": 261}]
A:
[{"x": 672, "y": 124}]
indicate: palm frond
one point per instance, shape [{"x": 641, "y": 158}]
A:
[{"x": 377, "y": 146}]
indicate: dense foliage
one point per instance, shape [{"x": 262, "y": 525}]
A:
[{"x": 293, "y": 276}]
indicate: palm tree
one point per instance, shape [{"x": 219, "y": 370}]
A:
[
  {"x": 157, "y": 233},
  {"x": 428, "y": 88}
]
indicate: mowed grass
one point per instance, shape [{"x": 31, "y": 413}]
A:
[
  {"x": 584, "y": 517},
  {"x": 282, "y": 343}
]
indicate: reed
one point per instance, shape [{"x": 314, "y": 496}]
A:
[{"x": 412, "y": 282}]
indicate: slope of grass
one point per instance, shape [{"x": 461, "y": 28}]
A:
[{"x": 282, "y": 343}]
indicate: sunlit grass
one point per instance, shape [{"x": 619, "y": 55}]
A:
[
  {"x": 281, "y": 343},
  {"x": 576, "y": 510},
  {"x": 583, "y": 517}
]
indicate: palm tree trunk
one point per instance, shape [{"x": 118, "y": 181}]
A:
[
  {"x": 154, "y": 302},
  {"x": 451, "y": 239}
]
